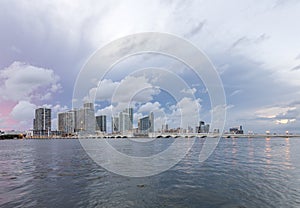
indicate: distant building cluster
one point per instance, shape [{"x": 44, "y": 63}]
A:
[
  {"x": 236, "y": 130},
  {"x": 77, "y": 120},
  {"x": 84, "y": 120},
  {"x": 146, "y": 124},
  {"x": 164, "y": 128},
  {"x": 69, "y": 122},
  {"x": 202, "y": 128},
  {"x": 123, "y": 123}
]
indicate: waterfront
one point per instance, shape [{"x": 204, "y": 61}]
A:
[{"x": 242, "y": 172}]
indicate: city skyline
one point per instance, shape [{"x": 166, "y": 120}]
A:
[
  {"x": 83, "y": 120},
  {"x": 254, "y": 48},
  {"x": 149, "y": 103},
  {"x": 72, "y": 122}
]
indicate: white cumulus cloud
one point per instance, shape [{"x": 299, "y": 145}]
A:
[
  {"x": 150, "y": 107},
  {"x": 21, "y": 81},
  {"x": 23, "y": 111},
  {"x": 130, "y": 89}
]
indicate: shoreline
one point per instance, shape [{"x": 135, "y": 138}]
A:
[{"x": 225, "y": 136}]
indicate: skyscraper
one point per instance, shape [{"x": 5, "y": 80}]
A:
[
  {"x": 42, "y": 121},
  {"x": 202, "y": 128},
  {"x": 80, "y": 120},
  {"x": 66, "y": 122},
  {"x": 90, "y": 122},
  {"x": 88, "y": 106},
  {"x": 126, "y": 120},
  {"x": 115, "y": 124},
  {"x": 85, "y": 119},
  {"x": 129, "y": 111},
  {"x": 146, "y": 124},
  {"x": 101, "y": 123},
  {"x": 151, "y": 122}
]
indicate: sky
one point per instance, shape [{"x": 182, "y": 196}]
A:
[{"x": 254, "y": 47}]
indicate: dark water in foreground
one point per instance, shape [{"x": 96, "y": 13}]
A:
[{"x": 240, "y": 173}]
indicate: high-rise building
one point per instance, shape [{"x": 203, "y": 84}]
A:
[
  {"x": 101, "y": 123},
  {"x": 151, "y": 121},
  {"x": 90, "y": 122},
  {"x": 85, "y": 119},
  {"x": 115, "y": 128},
  {"x": 202, "y": 128},
  {"x": 88, "y": 106},
  {"x": 206, "y": 128},
  {"x": 42, "y": 121},
  {"x": 66, "y": 122},
  {"x": 126, "y": 120},
  {"x": 75, "y": 118},
  {"x": 123, "y": 123},
  {"x": 146, "y": 124},
  {"x": 80, "y": 120},
  {"x": 129, "y": 111}
]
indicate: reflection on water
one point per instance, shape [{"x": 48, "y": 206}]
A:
[
  {"x": 250, "y": 150},
  {"x": 234, "y": 151},
  {"x": 287, "y": 154},
  {"x": 242, "y": 172},
  {"x": 268, "y": 150}
]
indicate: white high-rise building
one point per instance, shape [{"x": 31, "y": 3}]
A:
[
  {"x": 123, "y": 123},
  {"x": 129, "y": 112},
  {"x": 126, "y": 120},
  {"x": 115, "y": 124},
  {"x": 80, "y": 120},
  {"x": 85, "y": 119}
]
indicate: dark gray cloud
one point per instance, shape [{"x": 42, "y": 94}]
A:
[
  {"x": 294, "y": 103},
  {"x": 291, "y": 114},
  {"x": 249, "y": 78},
  {"x": 246, "y": 40},
  {"x": 263, "y": 37},
  {"x": 45, "y": 39},
  {"x": 253, "y": 88},
  {"x": 296, "y": 68},
  {"x": 239, "y": 41},
  {"x": 196, "y": 29}
]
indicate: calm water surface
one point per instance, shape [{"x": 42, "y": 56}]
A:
[{"x": 241, "y": 172}]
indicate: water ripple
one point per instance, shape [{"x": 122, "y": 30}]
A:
[{"x": 240, "y": 173}]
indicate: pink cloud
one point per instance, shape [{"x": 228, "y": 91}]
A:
[{"x": 6, "y": 121}]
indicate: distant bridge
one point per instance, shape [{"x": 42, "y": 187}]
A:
[
  {"x": 216, "y": 135},
  {"x": 183, "y": 135}
]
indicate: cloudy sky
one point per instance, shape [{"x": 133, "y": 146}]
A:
[{"x": 255, "y": 47}]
